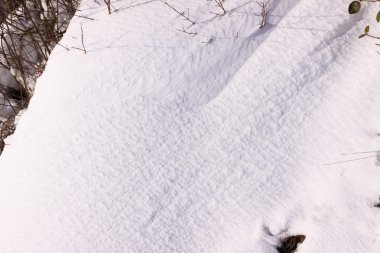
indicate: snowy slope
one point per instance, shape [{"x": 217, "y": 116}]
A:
[{"x": 155, "y": 141}]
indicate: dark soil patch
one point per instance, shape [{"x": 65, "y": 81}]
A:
[{"x": 289, "y": 244}]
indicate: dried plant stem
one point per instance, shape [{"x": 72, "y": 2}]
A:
[
  {"x": 186, "y": 17},
  {"x": 108, "y": 4},
  {"x": 220, "y": 4},
  {"x": 263, "y": 13}
]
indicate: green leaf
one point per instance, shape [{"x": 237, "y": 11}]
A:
[
  {"x": 378, "y": 17},
  {"x": 354, "y": 7},
  {"x": 366, "y": 30},
  {"x": 361, "y": 36}
]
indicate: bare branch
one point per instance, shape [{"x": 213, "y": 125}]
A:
[
  {"x": 108, "y": 4},
  {"x": 263, "y": 13},
  {"x": 184, "y": 31},
  {"x": 220, "y": 4},
  {"x": 181, "y": 13}
]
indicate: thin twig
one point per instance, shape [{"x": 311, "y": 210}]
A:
[
  {"x": 371, "y": 36},
  {"x": 82, "y": 38},
  {"x": 65, "y": 47},
  {"x": 362, "y": 152},
  {"x": 220, "y": 4},
  {"x": 80, "y": 16},
  {"x": 180, "y": 13},
  {"x": 184, "y": 31},
  {"x": 346, "y": 161}
]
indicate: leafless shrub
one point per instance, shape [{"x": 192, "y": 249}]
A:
[
  {"x": 29, "y": 31},
  {"x": 264, "y": 10}
]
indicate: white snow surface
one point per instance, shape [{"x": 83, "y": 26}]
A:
[{"x": 155, "y": 141}]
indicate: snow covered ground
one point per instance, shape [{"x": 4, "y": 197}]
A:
[{"x": 160, "y": 141}]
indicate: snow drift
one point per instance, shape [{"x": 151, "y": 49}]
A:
[{"x": 156, "y": 140}]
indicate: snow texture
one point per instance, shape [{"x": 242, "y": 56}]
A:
[{"x": 160, "y": 141}]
